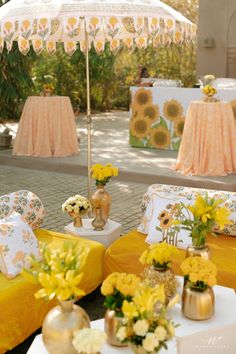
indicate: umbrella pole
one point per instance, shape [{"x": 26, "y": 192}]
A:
[{"x": 89, "y": 120}]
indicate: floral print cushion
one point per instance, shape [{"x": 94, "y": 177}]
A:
[
  {"x": 25, "y": 203},
  {"x": 155, "y": 191},
  {"x": 17, "y": 241}
]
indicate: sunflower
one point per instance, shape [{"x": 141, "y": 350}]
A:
[
  {"x": 166, "y": 222},
  {"x": 179, "y": 126},
  {"x": 140, "y": 127},
  {"x": 233, "y": 104},
  {"x": 143, "y": 97},
  {"x": 160, "y": 138},
  {"x": 163, "y": 215},
  {"x": 136, "y": 110},
  {"x": 172, "y": 109},
  {"x": 151, "y": 112}
]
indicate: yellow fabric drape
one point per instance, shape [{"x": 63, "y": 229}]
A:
[
  {"x": 123, "y": 256},
  {"x": 20, "y": 313}
]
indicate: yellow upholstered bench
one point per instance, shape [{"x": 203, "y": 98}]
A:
[
  {"x": 20, "y": 313},
  {"x": 123, "y": 256}
]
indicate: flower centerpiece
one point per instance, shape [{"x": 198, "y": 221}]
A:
[
  {"x": 76, "y": 206},
  {"x": 101, "y": 199},
  {"x": 198, "y": 296},
  {"x": 208, "y": 79},
  {"x": 209, "y": 91},
  {"x": 58, "y": 272},
  {"x": 117, "y": 287},
  {"x": 143, "y": 328},
  {"x": 158, "y": 257},
  {"x": 200, "y": 218},
  {"x": 48, "y": 89},
  {"x": 88, "y": 340}
]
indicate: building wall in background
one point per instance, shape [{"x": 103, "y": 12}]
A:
[{"x": 217, "y": 38}]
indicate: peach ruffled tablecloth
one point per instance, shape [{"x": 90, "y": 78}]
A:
[
  {"x": 46, "y": 128},
  {"x": 208, "y": 145}
]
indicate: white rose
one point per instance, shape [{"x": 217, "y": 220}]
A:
[
  {"x": 69, "y": 208},
  {"x": 141, "y": 327},
  {"x": 121, "y": 333},
  {"x": 161, "y": 333},
  {"x": 150, "y": 342}
]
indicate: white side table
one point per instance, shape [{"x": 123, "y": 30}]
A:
[{"x": 111, "y": 232}]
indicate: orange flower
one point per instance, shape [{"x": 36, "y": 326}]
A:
[
  {"x": 43, "y": 22},
  {"x": 8, "y": 26},
  {"x": 72, "y": 21}
]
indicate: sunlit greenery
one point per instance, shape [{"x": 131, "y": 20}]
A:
[{"x": 111, "y": 75}]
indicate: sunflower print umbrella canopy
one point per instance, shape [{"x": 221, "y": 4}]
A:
[{"x": 43, "y": 23}]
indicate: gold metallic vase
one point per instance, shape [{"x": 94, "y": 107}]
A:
[
  {"x": 201, "y": 251},
  {"x": 59, "y": 325},
  {"x": 111, "y": 323},
  {"x": 101, "y": 199},
  {"x": 198, "y": 305},
  {"x": 98, "y": 222},
  {"x": 77, "y": 219}
]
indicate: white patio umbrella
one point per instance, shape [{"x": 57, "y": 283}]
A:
[{"x": 82, "y": 23}]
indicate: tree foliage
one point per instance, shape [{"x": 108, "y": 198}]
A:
[{"x": 111, "y": 75}]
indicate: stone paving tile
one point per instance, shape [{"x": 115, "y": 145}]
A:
[{"x": 54, "y": 188}]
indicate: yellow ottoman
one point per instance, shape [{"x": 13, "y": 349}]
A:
[
  {"x": 123, "y": 256},
  {"x": 20, "y": 313}
]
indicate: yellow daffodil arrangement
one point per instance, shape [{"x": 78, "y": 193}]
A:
[
  {"x": 89, "y": 340},
  {"x": 142, "y": 327},
  {"x": 200, "y": 218},
  {"x": 159, "y": 256},
  {"x": 102, "y": 174},
  {"x": 199, "y": 273},
  {"x": 58, "y": 270},
  {"x": 118, "y": 287}
]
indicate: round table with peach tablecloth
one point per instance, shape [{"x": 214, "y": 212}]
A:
[
  {"x": 46, "y": 128},
  {"x": 208, "y": 145}
]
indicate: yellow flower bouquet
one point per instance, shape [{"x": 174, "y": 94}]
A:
[
  {"x": 199, "y": 273},
  {"x": 102, "y": 174},
  {"x": 58, "y": 271},
  {"x": 118, "y": 287},
  {"x": 48, "y": 87},
  {"x": 159, "y": 255},
  {"x": 142, "y": 327},
  {"x": 209, "y": 91},
  {"x": 200, "y": 217}
]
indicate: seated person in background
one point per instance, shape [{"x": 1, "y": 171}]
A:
[{"x": 144, "y": 79}]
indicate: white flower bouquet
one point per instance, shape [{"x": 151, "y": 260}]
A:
[
  {"x": 76, "y": 205},
  {"x": 88, "y": 340}
]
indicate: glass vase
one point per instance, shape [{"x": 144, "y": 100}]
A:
[
  {"x": 111, "y": 322},
  {"x": 101, "y": 199},
  {"x": 59, "y": 325},
  {"x": 198, "y": 305},
  {"x": 201, "y": 251}
]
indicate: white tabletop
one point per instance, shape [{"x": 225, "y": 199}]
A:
[{"x": 214, "y": 336}]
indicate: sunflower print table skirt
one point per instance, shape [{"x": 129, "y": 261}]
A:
[{"x": 157, "y": 114}]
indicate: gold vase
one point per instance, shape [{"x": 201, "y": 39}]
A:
[
  {"x": 198, "y": 305},
  {"x": 77, "y": 219},
  {"x": 111, "y": 322},
  {"x": 98, "y": 222},
  {"x": 101, "y": 199},
  {"x": 201, "y": 251},
  {"x": 59, "y": 325},
  {"x": 154, "y": 276}
]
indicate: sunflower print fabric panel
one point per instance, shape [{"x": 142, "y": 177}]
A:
[
  {"x": 25, "y": 203},
  {"x": 17, "y": 241},
  {"x": 183, "y": 194},
  {"x": 154, "y": 126}
]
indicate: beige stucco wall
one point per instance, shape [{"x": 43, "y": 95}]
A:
[{"x": 217, "y": 38}]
